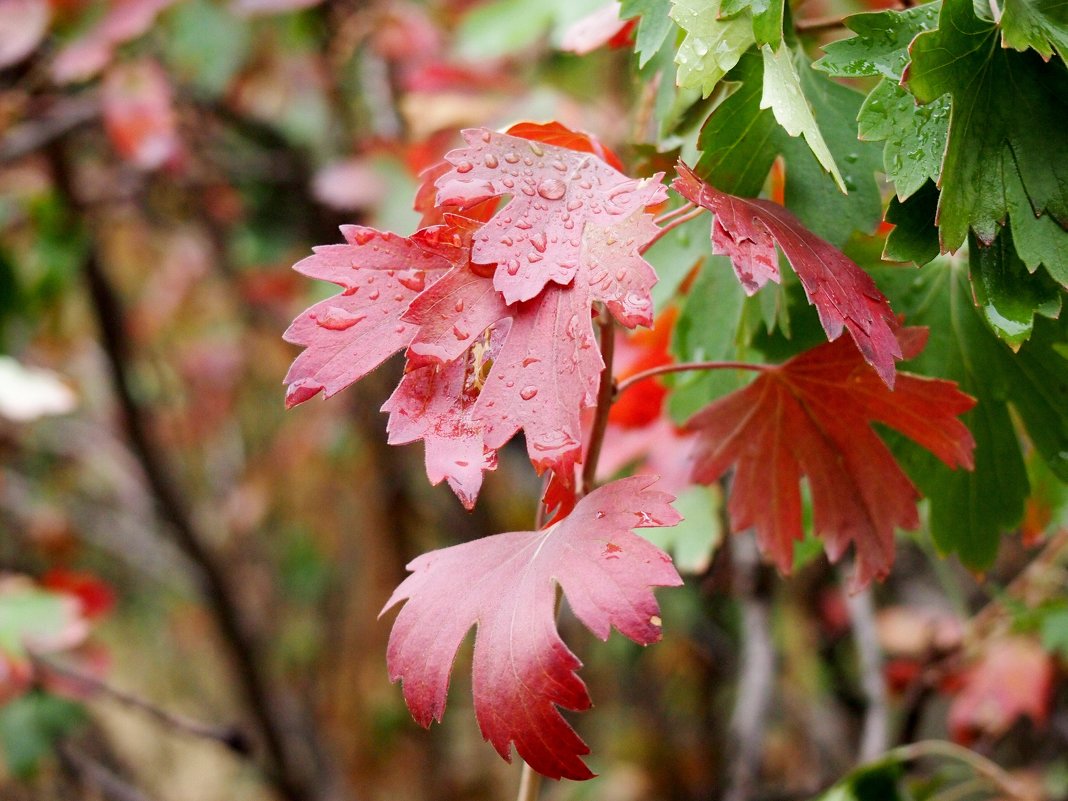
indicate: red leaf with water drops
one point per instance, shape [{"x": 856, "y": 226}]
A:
[
  {"x": 506, "y": 586},
  {"x": 350, "y": 334},
  {"x": 562, "y": 200},
  {"x": 747, "y": 231},
  {"x": 810, "y": 417}
]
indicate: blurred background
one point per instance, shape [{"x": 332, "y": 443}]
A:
[{"x": 201, "y": 571}]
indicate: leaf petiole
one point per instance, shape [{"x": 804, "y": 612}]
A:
[{"x": 629, "y": 381}]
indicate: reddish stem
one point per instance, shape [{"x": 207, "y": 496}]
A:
[
  {"x": 672, "y": 222},
  {"x": 682, "y": 367}
]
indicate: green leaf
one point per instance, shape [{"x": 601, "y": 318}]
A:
[
  {"x": 880, "y": 46},
  {"x": 675, "y": 254},
  {"x": 970, "y": 510},
  {"x": 31, "y": 725},
  {"x": 1000, "y": 99},
  {"x": 28, "y": 612},
  {"x": 1039, "y": 24},
  {"x": 915, "y": 235},
  {"x": 653, "y": 27},
  {"x": 1054, "y": 632},
  {"x": 915, "y": 136},
  {"x": 879, "y": 781},
  {"x": 693, "y": 541},
  {"x": 712, "y": 45},
  {"x": 740, "y": 140},
  {"x": 783, "y": 95},
  {"x": 205, "y": 44},
  {"x": 1008, "y": 295},
  {"x": 707, "y": 329},
  {"x": 1039, "y": 240},
  {"x": 766, "y": 18},
  {"x": 500, "y": 28}
]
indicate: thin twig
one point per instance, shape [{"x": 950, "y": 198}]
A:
[
  {"x": 667, "y": 216},
  {"x": 876, "y": 731},
  {"x": 996, "y": 775},
  {"x": 682, "y": 367},
  {"x": 529, "y": 784},
  {"x": 229, "y": 736},
  {"x": 53, "y": 125},
  {"x": 87, "y": 770},
  {"x": 605, "y": 394}
]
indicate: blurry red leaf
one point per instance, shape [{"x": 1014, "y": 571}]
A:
[
  {"x": 350, "y": 334},
  {"x": 23, "y": 24},
  {"x": 563, "y": 204},
  {"x": 506, "y": 586},
  {"x": 124, "y": 20},
  {"x": 595, "y": 30},
  {"x": 349, "y": 185},
  {"x": 1012, "y": 679},
  {"x": 747, "y": 231},
  {"x": 139, "y": 114},
  {"x": 642, "y": 403},
  {"x": 810, "y": 417},
  {"x": 96, "y": 597}
]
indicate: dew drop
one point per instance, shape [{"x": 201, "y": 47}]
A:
[
  {"x": 538, "y": 241},
  {"x": 349, "y": 291},
  {"x": 508, "y": 182},
  {"x": 559, "y": 165},
  {"x": 511, "y": 158},
  {"x": 337, "y": 319},
  {"x": 529, "y": 360},
  {"x": 459, "y": 333},
  {"x": 552, "y": 189},
  {"x": 491, "y": 161},
  {"x": 399, "y": 329},
  {"x": 600, "y": 515},
  {"x": 363, "y": 236},
  {"x": 374, "y": 295},
  {"x": 534, "y": 257},
  {"x": 513, "y": 267},
  {"x": 574, "y": 205},
  {"x": 415, "y": 282},
  {"x": 459, "y": 305},
  {"x": 535, "y": 148},
  {"x": 464, "y": 166},
  {"x": 527, "y": 393}
]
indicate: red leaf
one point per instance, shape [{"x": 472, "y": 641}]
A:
[
  {"x": 1013, "y": 678},
  {"x": 124, "y": 20},
  {"x": 139, "y": 114},
  {"x": 595, "y": 30},
  {"x": 553, "y": 133},
  {"x": 350, "y": 334},
  {"x": 96, "y": 597},
  {"x": 506, "y": 585},
  {"x": 23, "y": 24},
  {"x": 844, "y": 295},
  {"x": 561, "y": 200},
  {"x": 810, "y": 418},
  {"x": 436, "y": 404}
]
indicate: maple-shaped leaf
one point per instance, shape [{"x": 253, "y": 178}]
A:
[
  {"x": 810, "y": 418},
  {"x": 747, "y": 231},
  {"x": 350, "y": 334},
  {"x": 506, "y": 586},
  {"x": 558, "y": 196}
]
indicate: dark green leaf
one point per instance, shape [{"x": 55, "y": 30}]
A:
[
  {"x": 31, "y": 725},
  {"x": 1008, "y": 295},
  {"x": 1039, "y": 240},
  {"x": 915, "y": 235},
  {"x": 1000, "y": 99},
  {"x": 1038, "y": 24}
]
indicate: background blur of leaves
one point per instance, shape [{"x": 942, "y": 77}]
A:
[{"x": 191, "y": 151}]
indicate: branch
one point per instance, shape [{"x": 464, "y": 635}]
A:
[
  {"x": 87, "y": 770},
  {"x": 294, "y": 782},
  {"x": 756, "y": 680},
  {"x": 229, "y": 736},
  {"x": 995, "y": 775},
  {"x": 64, "y": 117},
  {"x": 606, "y": 393},
  {"x": 876, "y": 732}
]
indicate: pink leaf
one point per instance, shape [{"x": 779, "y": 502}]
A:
[
  {"x": 506, "y": 586},
  {"x": 23, "y": 24},
  {"x": 557, "y": 194},
  {"x": 139, "y": 114},
  {"x": 350, "y": 334},
  {"x": 844, "y": 295},
  {"x": 125, "y": 20}
]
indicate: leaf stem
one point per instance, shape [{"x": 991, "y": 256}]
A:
[
  {"x": 606, "y": 394},
  {"x": 682, "y": 367},
  {"x": 529, "y": 784},
  {"x": 671, "y": 223},
  {"x": 995, "y": 775},
  {"x": 667, "y": 216}
]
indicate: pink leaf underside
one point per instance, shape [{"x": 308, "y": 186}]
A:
[
  {"x": 558, "y": 196},
  {"x": 350, "y": 334},
  {"x": 435, "y": 403},
  {"x": 810, "y": 418},
  {"x": 87, "y": 55},
  {"x": 546, "y": 371},
  {"x": 844, "y": 295},
  {"x": 505, "y": 584}
]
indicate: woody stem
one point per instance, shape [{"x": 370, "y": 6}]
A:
[{"x": 681, "y": 367}]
